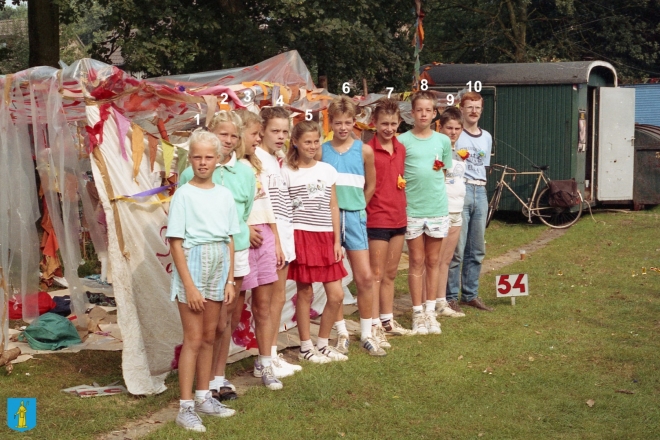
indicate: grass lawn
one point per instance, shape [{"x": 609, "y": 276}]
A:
[{"x": 519, "y": 372}]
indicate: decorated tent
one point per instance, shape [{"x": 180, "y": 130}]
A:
[{"x": 112, "y": 146}]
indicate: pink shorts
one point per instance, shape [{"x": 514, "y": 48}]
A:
[{"x": 263, "y": 261}]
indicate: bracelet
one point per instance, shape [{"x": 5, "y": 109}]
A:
[{"x": 233, "y": 283}]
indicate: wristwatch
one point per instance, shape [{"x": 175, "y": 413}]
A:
[{"x": 233, "y": 283}]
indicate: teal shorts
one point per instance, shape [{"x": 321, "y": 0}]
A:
[{"x": 353, "y": 230}]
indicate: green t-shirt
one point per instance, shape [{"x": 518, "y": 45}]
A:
[
  {"x": 239, "y": 179},
  {"x": 426, "y": 195}
]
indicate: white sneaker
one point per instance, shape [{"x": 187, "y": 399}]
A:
[
  {"x": 373, "y": 348},
  {"x": 332, "y": 353},
  {"x": 396, "y": 329},
  {"x": 189, "y": 420},
  {"x": 293, "y": 367},
  {"x": 378, "y": 334},
  {"x": 314, "y": 356},
  {"x": 451, "y": 313},
  {"x": 419, "y": 324},
  {"x": 432, "y": 323},
  {"x": 343, "y": 342},
  {"x": 280, "y": 370},
  {"x": 212, "y": 407}
]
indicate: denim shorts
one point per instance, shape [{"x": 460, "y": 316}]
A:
[
  {"x": 353, "y": 230},
  {"x": 384, "y": 234}
]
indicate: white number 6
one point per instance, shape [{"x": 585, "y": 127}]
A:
[{"x": 346, "y": 88}]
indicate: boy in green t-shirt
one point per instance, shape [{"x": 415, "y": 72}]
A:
[{"x": 428, "y": 155}]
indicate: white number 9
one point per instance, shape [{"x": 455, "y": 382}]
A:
[{"x": 450, "y": 99}]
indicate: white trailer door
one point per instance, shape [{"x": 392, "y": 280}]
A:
[{"x": 616, "y": 146}]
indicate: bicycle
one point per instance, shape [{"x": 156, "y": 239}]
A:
[{"x": 538, "y": 204}]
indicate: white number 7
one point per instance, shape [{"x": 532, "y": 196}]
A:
[{"x": 389, "y": 92}]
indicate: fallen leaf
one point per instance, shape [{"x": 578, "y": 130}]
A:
[
  {"x": 481, "y": 434},
  {"x": 590, "y": 403},
  {"x": 488, "y": 370},
  {"x": 395, "y": 397},
  {"x": 531, "y": 358},
  {"x": 625, "y": 392},
  {"x": 537, "y": 332},
  {"x": 341, "y": 434},
  {"x": 460, "y": 357}
]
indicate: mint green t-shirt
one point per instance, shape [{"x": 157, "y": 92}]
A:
[
  {"x": 426, "y": 194},
  {"x": 239, "y": 179},
  {"x": 202, "y": 216}
]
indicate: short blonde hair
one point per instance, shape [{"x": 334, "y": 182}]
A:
[
  {"x": 424, "y": 95},
  {"x": 342, "y": 105},
  {"x": 202, "y": 136},
  {"x": 225, "y": 116}
]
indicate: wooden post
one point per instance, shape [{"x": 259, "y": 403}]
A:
[
  {"x": 364, "y": 86},
  {"x": 323, "y": 82}
]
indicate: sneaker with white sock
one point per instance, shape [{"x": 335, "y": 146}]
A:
[
  {"x": 378, "y": 334},
  {"x": 332, "y": 353},
  {"x": 342, "y": 343},
  {"x": 278, "y": 370},
  {"x": 212, "y": 407},
  {"x": 269, "y": 380},
  {"x": 314, "y": 356},
  {"x": 293, "y": 367},
  {"x": 393, "y": 328},
  {"x": 432, "y": 324},
  {"x": 189, "y": 420},
  {"x": 373, "y": 348},
  {"x": 419, "y": 324}
]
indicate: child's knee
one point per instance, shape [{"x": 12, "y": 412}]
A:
[{"x": 260, "y": 313}]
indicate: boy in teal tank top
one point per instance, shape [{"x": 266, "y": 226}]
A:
[{"x": 356, "y": 183}]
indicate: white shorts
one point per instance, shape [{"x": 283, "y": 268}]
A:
[
  {"x": 435, "y": 227},
  {"x": 241, "y": 263},
  {"x": 455, "y": 219}
]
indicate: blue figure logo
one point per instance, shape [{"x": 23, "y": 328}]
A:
[{"x": 22, "y": 413}]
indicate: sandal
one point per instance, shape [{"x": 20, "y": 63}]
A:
[{"x": 223, "y": 394}]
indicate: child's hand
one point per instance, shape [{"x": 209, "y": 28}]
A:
[
  {"x": 230, "y": 293},
  {"x": 338, "y": 253},
  {"x": 195, "y": 299},
  {"x": 280, "y": 257},
  {"x": 256, "y": 239}
]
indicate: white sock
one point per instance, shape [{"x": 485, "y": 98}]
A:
[
  {"x": 365, "y": 328},
  {"x": 306, "y": 345},
  {"x": 418, "y": 309},
  {"x": 273, "y": 351},
  {"x": 385, "y": 317},
  {"x": 217, "y": 382},
  {"x": 186, "y": 403},
  {"x": 200, "y": 395},
  {"x": 321, "y": 343},
  {"x": 265, "y": 361},
  {"x": 375, "y": 321},
  {"x": 340, "y": 326},
  {"x": 430, "y": 306}
]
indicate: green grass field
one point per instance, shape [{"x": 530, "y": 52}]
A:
[{"x": 587, "y": 332}]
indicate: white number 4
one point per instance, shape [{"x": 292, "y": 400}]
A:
[{"x": 280, "y": 100}]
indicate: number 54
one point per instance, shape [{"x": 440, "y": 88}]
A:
[{"x": 519, "y": 286}]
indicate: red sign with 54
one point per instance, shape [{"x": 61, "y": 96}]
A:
[{"x": 512, "y": 285}]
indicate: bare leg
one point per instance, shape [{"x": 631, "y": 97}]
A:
[
  {"x": 261, "y": 297},
  {"x": 378, "y": 254},
  {"x": 303, "y": 305},
  {"x": 394, "y": 250},
  {"x": 197, "y": 351},
  {"x": 364, "y": 281},
  {"x": 416, "y": 271},
  {"x": 225, "y": 329},
  {"x": 432, "y": 263},
  {"x": 446, "y": 254},
  {"x": 277, "y": 302},
  {"x": 335, "y": 295}
]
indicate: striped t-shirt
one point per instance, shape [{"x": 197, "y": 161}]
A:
[
  {"x": 310, "y": 190},
  {"x": 350, "y": 178}
]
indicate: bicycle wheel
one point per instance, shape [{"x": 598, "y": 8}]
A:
[
  {"x": 493, "y": 204},
  {"x": 556, "y": 217}
]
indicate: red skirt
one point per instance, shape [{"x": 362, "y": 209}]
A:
[{"x": 315, "y": 259}]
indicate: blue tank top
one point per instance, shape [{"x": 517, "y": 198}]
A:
[{"x": 350, "y": 179}]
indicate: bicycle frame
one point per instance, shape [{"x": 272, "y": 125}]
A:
[{"x": 503, "y": 183}]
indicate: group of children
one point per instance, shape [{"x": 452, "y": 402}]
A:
[{"x": 252, "y": 212}]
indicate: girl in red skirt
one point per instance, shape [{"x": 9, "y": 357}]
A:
[{"x": 316, "y": 235}]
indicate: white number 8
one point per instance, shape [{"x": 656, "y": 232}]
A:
[{"x": 424, "y": 85}]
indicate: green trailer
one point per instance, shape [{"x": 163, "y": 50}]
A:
[{"x": 570, "y": 116}]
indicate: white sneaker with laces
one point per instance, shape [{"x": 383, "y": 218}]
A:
[
  {"x": 280, "y": 369},
  {"x": 451, "y": 313},
  {"x": 396, "y": 329},
  {"x": 212, "y": 407},
  {"x": 432, "y": 324},
  {"x": 373, "y": 348},
  {"x": 378, "y": 334},
  {"x": 419, "y": 324},
  {"x": 332, "y": 354},
  {"x": 293, "y": 367},
  {"x": 314, "y": 356},
  {"x": 343, "y": 342},
  {"x": 189, "y": 420}
]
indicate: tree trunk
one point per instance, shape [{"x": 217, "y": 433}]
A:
[{"x": 44, "y": 33}]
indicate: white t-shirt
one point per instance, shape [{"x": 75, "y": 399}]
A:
[
  {"x": 455, "y": 184},
  {"x": 479, "y": 148},
  {"x": 262, "y": 208},
  {"x": 311, "y": 190},
  {"x": 278, "y": 192}
]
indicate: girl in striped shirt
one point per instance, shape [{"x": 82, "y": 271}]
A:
[{"x": 317, "y": 240}]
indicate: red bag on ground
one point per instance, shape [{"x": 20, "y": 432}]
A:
[{"x": 45, "y": 304}]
